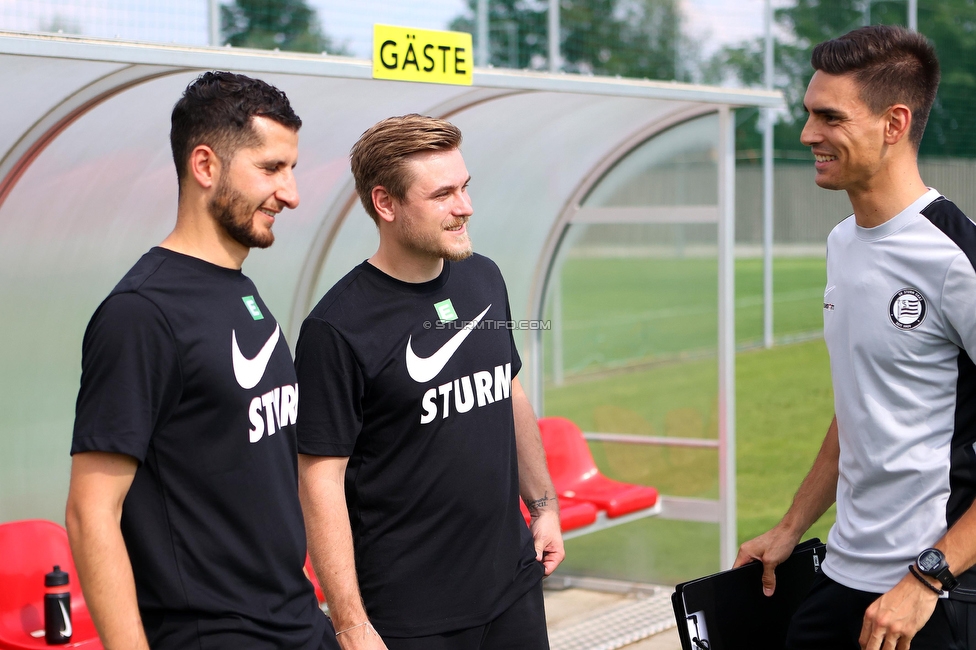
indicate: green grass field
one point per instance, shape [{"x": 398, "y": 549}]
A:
[
  {"x": 784, "y": 404},
  {"x": 626, "y": 311}
]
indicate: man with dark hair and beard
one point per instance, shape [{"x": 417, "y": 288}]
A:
[{"x": 183, "y": 512}]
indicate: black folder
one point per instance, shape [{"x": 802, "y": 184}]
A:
[{"x": 728, "y": 610}]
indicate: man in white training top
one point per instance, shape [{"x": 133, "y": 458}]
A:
[{"x": 900, "y": 326}]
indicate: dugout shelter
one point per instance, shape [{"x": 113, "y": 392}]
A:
[{"x": 87, "y": 185}]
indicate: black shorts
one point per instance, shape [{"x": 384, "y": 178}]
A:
[
  {"x": 832, "y": 614},
  {"x": 520, "y": 627}
]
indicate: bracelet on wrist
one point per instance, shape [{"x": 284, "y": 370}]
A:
[
  {"x": 369, "y": 628},
  {"x": 914, "y": 572}
]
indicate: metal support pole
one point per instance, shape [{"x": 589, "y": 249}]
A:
[
  {"x": 536, "y": 378},
  {"x": 511, "y": 29},
  {"x": 481, "y": 53},
  {"x": 555, "y": 60},
  {"x": 726, "y": 338},
  {"x": 866, "y": 13},
  {"x": 213, "y": 22},
  {"x": 913, "y": 15},
  {"x": 767, "y": 174},
  {"x": 558, "y": 376},
  {"x": 678, "y": 70}
]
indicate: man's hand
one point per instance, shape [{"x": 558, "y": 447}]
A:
[
  {"x": 548, "y": 539},
  {"x": 535, "y": 485},
  {"x": 892, "y": 621},
  {"x": 361, "y": 638},
  {"x": 321, "y": 489},
  {"x": 771, "y": 548},
  {"x": 815, "y": 495}
]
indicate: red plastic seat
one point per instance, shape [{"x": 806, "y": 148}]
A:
[
  {"x": 572, "y": 514},
  {"x": 28, "y": 550},
  {"x": 576, "y": 476},
  {"x": 310, "y": 574}
]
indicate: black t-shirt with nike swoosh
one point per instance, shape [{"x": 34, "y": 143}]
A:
[
  {"x": 186, "y": 370},
  {"x": 412, "y": 382}
]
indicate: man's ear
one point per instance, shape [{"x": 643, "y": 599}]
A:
[
  {"x": 383, "y": 203},
  {"x": 204, "y": 166},
  {"x": 898, "y": 123}
]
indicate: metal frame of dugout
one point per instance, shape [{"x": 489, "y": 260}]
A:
[{"x": 534, "y": 142}]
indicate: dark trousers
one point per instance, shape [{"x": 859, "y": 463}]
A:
[
  {"x": 832, "y": 614},
  {"x": 520, "y": 627}
]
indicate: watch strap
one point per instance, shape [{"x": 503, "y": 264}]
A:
[
  {"x": 948, "y": 580},
  {"x": 914, "y": 572}
]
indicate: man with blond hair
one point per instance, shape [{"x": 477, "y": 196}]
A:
[
  {"x": 900, "y": 326},
  {"x": 416, "y": 437}
]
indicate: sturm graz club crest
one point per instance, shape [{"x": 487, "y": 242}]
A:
[{"x": 907, "y": 309}]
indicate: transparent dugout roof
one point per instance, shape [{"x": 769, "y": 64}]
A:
[
  {"x": 676, "y": 167},
  {"x": 87, "y": 185},
  {"x": 521, "y": 178}
]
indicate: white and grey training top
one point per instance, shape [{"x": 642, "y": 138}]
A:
[{"x": 900, "y": 326}]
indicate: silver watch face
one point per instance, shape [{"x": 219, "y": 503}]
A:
[{"x": 929, "y": 560}]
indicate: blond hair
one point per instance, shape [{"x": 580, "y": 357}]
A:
[{"x": 380, "y": 156}]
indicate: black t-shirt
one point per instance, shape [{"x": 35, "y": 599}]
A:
[
  {"x": 186, "y": 370},
  {"x": 423, "y": 410}
]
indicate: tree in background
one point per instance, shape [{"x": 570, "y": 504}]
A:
[
  {"x": 517, "y": 32},
  {"x": 949, "y": 24},
  {"x": 289, "y": 25},
  {"x": 630, "y": 38},
  {"x": 59, "y": 24}
]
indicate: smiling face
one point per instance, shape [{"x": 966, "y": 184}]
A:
[
  {"x": 257, "y": 184},
  {"x": 432, "y": 220},
  {"x": 846, "y": 137}
]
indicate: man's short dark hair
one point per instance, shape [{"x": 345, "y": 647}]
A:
[
  {"x": 891, "y": 64},
  {"x": 381, "y": 154},
  {"x": 216, "y": 110}
]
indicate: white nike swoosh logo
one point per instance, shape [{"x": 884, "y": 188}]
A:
[
  {"x": 422, "y": 370},
  {"x": 829, "y": 289},
  {"x": 249, "y": 371},
  {"x": 66, "y": 630}
]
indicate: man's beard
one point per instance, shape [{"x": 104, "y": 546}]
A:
[
  {"x": 232, "y": 211},
  {"x": 430, "y": 244}
]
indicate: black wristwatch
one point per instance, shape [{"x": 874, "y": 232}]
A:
[{"x": 932, "y": 562}]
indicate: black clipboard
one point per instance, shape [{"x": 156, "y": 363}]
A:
[{"x": 728, "y": 610}]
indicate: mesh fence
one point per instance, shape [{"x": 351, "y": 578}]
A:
[
  {"x": 174, "y": 21},
  {"x": 712, "y": 41}
]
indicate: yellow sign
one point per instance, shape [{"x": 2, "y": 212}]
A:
[{"x": 408, "y": 54}]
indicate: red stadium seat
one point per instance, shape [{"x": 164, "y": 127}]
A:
[
  {"x": 28, "y": 550},
  {"x": 310, "y": 574},
  {"x": 576, "y": 476},
  {"x": 572, "y": 514}
]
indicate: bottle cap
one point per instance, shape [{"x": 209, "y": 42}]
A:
[{"x": 56, "y": 578}]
